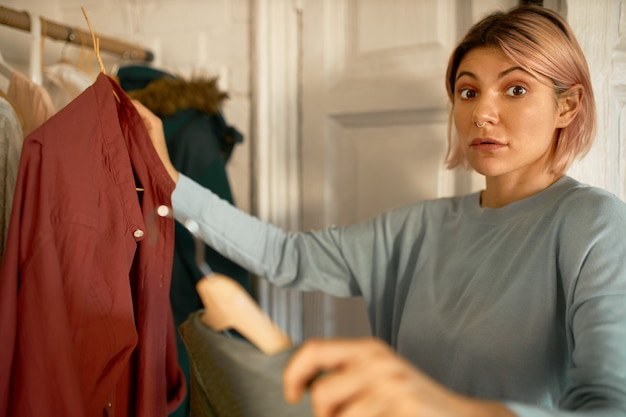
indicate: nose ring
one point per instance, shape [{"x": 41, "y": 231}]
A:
[{"x": 479, "y": 125}]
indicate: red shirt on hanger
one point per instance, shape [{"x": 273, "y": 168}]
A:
[{"x": 85, "y": 321}]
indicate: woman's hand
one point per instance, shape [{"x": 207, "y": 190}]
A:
[
  {"x": 365, "y": 378},
  {"x": 154, "y": 125}
]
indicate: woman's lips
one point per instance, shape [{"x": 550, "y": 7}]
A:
[{"x": 486, "y": 145}]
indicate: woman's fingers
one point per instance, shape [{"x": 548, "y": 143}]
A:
[
  {"x": 342, "y": 375},
  {"x": 365, "y": 378},
  {"x": 313, "y": 359}
]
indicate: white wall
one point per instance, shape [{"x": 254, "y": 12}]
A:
[{"x": 188, "y": 37}]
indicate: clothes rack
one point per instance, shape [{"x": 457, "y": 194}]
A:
[{"x": 21, "y": 20}]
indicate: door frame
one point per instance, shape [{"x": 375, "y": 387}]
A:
[{"x": 275, "y": 151}]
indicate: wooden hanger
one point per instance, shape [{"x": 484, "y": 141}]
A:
[{"x": 228, "y": 306}]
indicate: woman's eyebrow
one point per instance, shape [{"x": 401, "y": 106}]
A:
[
  {"x": 466, "y": 73},
  {"x": 510, "y": 70},
  {"x": 502, "y": 74}
]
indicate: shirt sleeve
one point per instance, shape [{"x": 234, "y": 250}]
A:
[
  {"x": 307, "y": 261},
  {"x": 593, "y": 273},
  {"x": 596, "y": 313},
  {"x": 34, "y": 319}
]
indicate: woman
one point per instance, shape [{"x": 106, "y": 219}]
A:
[{"x": 510, "y": 301}]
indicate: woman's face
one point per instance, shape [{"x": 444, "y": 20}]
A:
[{"x": 519, "y": 112}]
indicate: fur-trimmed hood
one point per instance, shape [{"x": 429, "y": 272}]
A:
[{"x": 165, "y": 94}]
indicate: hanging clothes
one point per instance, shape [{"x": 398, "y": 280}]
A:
[
  {"x": 200, "y": 143},
  {"x": 233, "y": 378},
  {"x": 85, "y": 322},
  {"x": 64, "y": 82},
  {"x": 31, "y": 100},
  {"x": 11, "y": 138}
]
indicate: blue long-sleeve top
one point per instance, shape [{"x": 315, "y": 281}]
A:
[{"x": 524, "y": 304}]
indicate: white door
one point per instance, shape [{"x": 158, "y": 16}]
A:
[{"x": 374, "y": 119}]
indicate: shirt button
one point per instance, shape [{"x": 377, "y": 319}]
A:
[{"x": 138, "y": 233}]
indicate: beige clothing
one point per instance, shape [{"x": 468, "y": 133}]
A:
[{"x": 31, "y": 100}]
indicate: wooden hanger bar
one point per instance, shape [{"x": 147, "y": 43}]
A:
[{"x": 21, "y": 20}]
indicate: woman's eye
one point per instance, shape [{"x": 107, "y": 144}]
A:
[
  {"x": 466, "y": 93},
  {"x": 516, "y": 90}
]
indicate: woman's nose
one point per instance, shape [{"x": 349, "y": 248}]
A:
[{"x": 485, "y": 109}]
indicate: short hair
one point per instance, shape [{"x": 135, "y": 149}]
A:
[{"x": 540, "y": 41}]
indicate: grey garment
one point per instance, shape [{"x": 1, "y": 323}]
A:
[
  {"x": 232, "y": 378},
  {"x": 11, "y": 140},
  {"x": 524, "y": 304}
]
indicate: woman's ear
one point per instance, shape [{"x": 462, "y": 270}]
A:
[{"x": 569, "y": 104}]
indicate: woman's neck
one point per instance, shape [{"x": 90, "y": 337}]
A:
[{"x": 500, "y": 192}]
